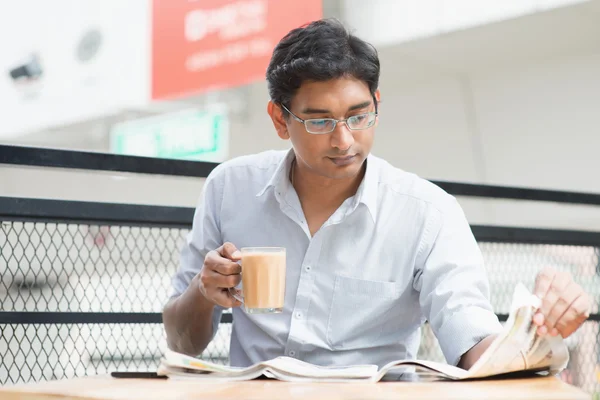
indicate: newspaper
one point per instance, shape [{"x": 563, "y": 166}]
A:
[
  {"x": 517, "y": 348},
  {"x": 179, "y": 366}
]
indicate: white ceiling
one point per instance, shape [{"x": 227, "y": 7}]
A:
[{"x": 520, "y": 41}]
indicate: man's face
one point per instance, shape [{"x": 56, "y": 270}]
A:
[{"x": 342, "y": 152}]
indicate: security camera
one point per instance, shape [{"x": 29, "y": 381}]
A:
[{"x": 30, "y": 69}]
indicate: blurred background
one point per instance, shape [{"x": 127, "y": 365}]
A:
[
  {"x": 498, "y": 92},
  {"x": 473, "y": 91}
]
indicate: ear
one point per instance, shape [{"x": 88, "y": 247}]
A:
[
  {"x": 378, "y": 100},
  {"x": 278, "y": 119},
  {"x": 378, "y": 97}
]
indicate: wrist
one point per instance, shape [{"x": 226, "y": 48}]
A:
[{"x": 197, "y": 294}]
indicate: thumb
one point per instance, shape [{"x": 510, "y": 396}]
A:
[{"x": 228, "y": 250}]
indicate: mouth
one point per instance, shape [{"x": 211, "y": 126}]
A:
[{"x": 343, "y": 160}]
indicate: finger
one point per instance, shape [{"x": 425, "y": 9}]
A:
[
  {"x": 542, "y": 330},
  {"x": 538, "y": 319},
  {"x": 212, "y": 258},
  {"x": 543, "y": 281},
  {"x": 226, "y": 267},
  {"x": 225, "y": 299},
  {"x": 229, "y": 251},
  {"x": 554, "y": 293},
  {"x": 214, "y": 261},
  {"x": 562, "y": 304},
  {"x": 215, "y": 280},
  {"x": 226, "y": 282},
  {"x": 575, "y": 315},
  {"x": 583, "y": 307}
]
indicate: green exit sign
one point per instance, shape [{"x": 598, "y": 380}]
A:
[{"x": 200, "y": 135}]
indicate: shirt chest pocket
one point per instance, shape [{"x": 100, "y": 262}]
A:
[{"x": 364, "y": 314}]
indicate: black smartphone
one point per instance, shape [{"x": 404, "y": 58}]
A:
[{"x": 136, "y": 375}]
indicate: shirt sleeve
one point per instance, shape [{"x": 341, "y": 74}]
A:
[
  {"x": 452, "y": 283},
  {"x": 204, "y": 237}
]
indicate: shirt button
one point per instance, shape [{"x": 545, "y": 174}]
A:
[
  {"x": 291, "y": 353},
  {"x": 298, "y": 315},
  {"x": 308, "y": 268}
]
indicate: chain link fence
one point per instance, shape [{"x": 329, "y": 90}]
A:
[{"x": 60, "y": 267}]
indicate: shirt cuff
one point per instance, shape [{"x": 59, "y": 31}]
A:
[{"x": 464, "y": 330}]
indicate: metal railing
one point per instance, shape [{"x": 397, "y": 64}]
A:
[{"x": 83, "y": 284}]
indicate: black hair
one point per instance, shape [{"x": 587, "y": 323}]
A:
[{"x": 320, "y": 51}]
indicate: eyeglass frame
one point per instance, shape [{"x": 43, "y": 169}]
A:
[{"x": 335, "y": 121}]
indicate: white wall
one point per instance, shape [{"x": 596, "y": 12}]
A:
[
  {"x": 533, "y": 125},
  {"x": 72, "y": 88},
  {"x": 425, "y": 129},
  {"x": 525, "y": 125},
  {"x": 385, "y": 22},
  {"x": 540, "y": 124}
]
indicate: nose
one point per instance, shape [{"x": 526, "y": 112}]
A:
[{"x": 342, "y": 137}]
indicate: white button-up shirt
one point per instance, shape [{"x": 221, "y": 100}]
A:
[{"x": 396, "y": 254}]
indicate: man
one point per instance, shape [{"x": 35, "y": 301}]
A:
[{"x": 372, "y": 251}]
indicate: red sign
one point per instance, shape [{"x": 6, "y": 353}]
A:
[{"x": 214, "y": 44}]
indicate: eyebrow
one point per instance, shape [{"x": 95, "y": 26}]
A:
[{"x": 309, "y": 110}]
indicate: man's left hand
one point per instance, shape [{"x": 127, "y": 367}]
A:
[{"x": 565, "y": 306}]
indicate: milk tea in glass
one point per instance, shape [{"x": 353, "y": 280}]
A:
[{"x": 263, "y": 279}]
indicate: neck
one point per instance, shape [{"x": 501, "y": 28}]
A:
[{"x": 310, "y": 186}]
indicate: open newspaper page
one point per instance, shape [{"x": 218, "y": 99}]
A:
[
  {"x": 517, "y": 348},
  {"x": 179, "y": 373},
  {"x": 180, "y": 366}
]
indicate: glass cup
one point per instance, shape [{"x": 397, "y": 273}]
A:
[{"x": 263, "y": 280}]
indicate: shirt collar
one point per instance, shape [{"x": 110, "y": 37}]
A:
[
  {"x": 366, "y": 193},
  {"x": 369, "y": 187},
  {"x": 280, "y": 178}
]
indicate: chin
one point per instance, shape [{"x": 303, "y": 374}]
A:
[{"x": 346, "y": 171}]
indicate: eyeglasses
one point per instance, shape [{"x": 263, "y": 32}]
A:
[{"x": 321, "y": 126}]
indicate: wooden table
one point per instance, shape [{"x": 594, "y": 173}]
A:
[{"x": 105, "y": 387}]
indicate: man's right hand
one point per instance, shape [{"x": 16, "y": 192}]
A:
[{"x": 221, "y": 272}]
